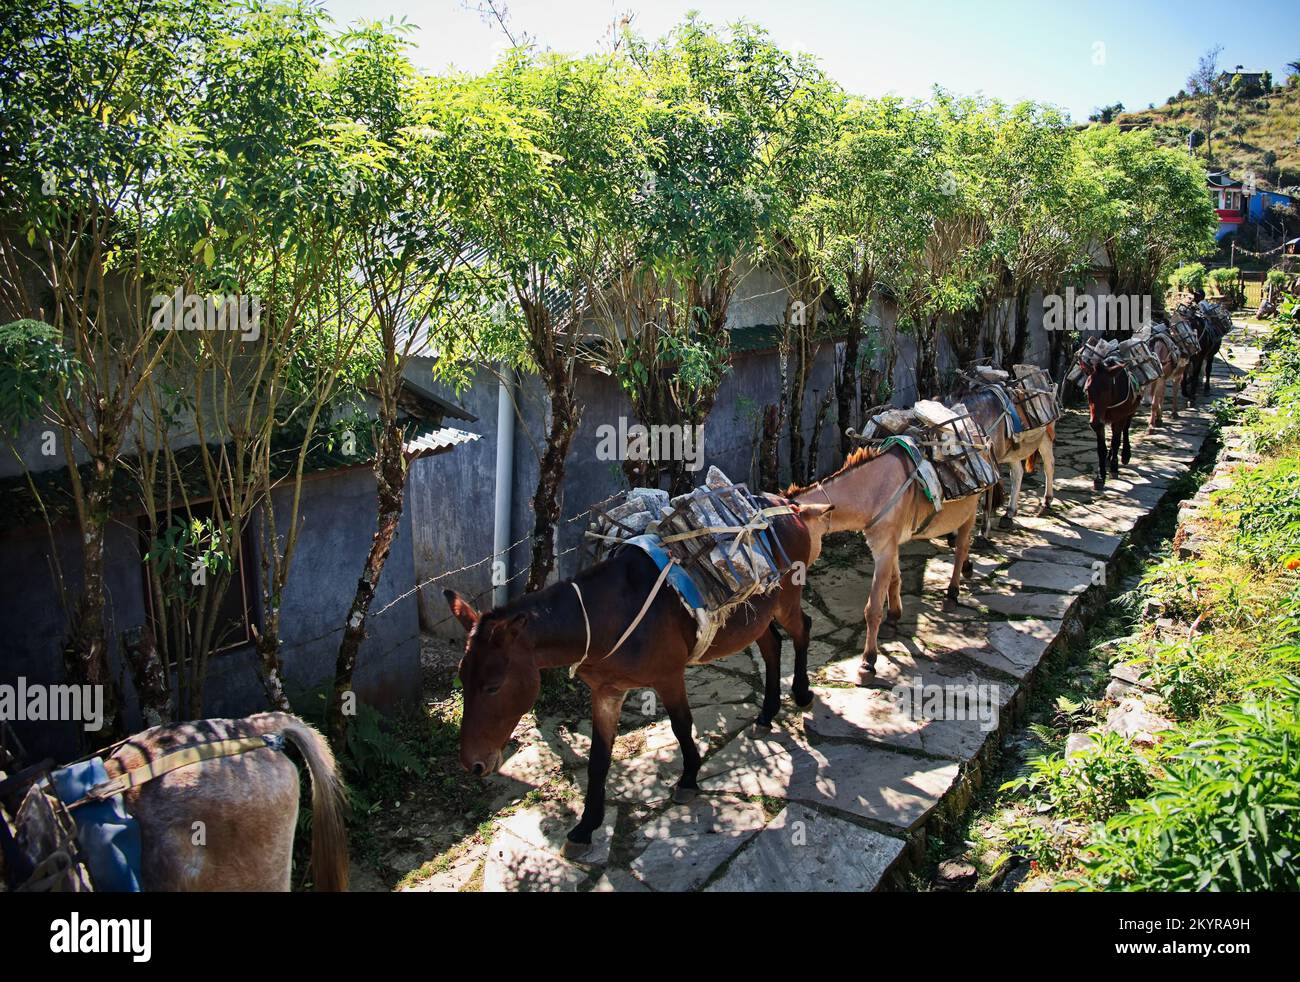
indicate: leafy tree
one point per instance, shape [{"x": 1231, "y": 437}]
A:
[
  {"x": 96, "y": 105},
  {"x": 550, "y": 228},
  {"x": 1152, "y": 211},
  {"x": 877, "y": 184},
  {"x": 715, "y": 116}
]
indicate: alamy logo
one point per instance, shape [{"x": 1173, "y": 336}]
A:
[
  {"x": 221, "y": 312},
  {"x": 37, "y": 703},
  {"x": 102, "y": 935},
  {"x": 658, "y": 442},
  {"x": 1084, "y": 312},
  {"x": 978, "y": 703}
]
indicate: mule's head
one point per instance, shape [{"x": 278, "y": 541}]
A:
[{"x": 499, "y": 680}]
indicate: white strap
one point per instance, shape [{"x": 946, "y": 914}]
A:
[
  {"x": 585, "y": 623},
  {"x": 663, "y": 576}
]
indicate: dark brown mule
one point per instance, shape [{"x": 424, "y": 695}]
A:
[
  {"x": 1113, "y": 398},
  {"x": 1207, "y": 333},
  {"x": 508, "y": 647}
]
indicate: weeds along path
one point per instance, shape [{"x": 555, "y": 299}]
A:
[{"x": 847, "y": 795}]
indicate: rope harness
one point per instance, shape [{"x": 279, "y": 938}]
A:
[{"x": 645, "y": 607}]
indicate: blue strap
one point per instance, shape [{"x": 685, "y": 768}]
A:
[
  {"x": 109, "y": 838},
  {"x": 680, "y": 580}
]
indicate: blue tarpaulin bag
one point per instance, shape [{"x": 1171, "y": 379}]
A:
[{"x": 108, "y": 837}]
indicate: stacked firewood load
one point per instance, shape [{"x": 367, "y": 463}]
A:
[
  {"x": 1034, "y": 396},
  {"x": 1133, "y": 354},
  {"x": 716, "y": 533},
  {"x": 950, "y": 439}
]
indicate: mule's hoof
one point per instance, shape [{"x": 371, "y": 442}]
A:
[
  {"x": 968, "y": 569},
  {"x": 983, "y": 541},
  {"x": 1045, "y": 509},
  {"x": 888, "y": 630},
  {"x": 1005, "y": 522},
  {"x": 1099, "y": 484},
  {"x": 866, "y": 673},
  {"x": 805, "y": 701},
  {"x": 684, "y": 796},
  {"x": 762, "y": 724},
  {"x": 575, "y": 850}
]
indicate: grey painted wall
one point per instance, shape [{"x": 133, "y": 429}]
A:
[{"x": 338, "y": 521}]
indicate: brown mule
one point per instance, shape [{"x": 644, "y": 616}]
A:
[
  {"x": 1113, "y": 399},
  {"x": 989, "y": 413},
  {"x": 880, "y": 496},
  {"x": 1172, "y": 367},
  {"x": 580, "y": 622},
  {"x": 228, "y": 823}
]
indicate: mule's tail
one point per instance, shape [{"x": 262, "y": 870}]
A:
[
  {"x": 1029, "y": 461},
  {"x": 329, "y": 837}
]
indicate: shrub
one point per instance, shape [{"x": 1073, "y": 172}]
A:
[
  {"x": 1188, "y": 278},
  {"x": 1094, "y": 784},
  {"x": 1225, "y": 815}
]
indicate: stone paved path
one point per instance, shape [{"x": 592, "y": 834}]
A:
[{"x": 833, "y": 798}]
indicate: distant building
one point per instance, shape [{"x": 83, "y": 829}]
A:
[
  {"x": 1249, "y": 80},
  {"x": 1229, "y": 202},
  {"x": 1260, "y": 202}
]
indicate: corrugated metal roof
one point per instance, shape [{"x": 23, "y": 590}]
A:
[{"x": 437, "y": 441}]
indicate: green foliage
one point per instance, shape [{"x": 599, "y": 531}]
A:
[
  {"x": 1188, "y": 278},
  {"x": 35, "y": 368},
  {"x": 1095, "y": 783},
  {"x": 1224, "y": 815},
  {"x": 1151, "y": 210}
]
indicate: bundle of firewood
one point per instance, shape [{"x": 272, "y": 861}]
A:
[{"x": 714, "y": 533}]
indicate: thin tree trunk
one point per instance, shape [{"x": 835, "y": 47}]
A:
[
  {"x": 846, "y": 384},
  {"x": 86, "y": 652},
  {"x": 565, "y": 416},
  {"x": 390, "y": 470}
]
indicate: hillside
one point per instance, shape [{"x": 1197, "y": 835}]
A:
[{"x": 1246, "y": 130}]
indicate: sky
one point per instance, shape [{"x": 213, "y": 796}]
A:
[{"x": 1075, "y": 55}]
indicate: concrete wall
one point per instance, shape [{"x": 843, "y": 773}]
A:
[{"x": 338, "y": 521}]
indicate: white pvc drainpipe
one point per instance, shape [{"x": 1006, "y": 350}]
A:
[{"x": 505, "y": 477}]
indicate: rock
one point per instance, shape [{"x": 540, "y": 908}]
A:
[
  {"x": 1078, "y": 743},
  {"x": 689, "y": 842},
  {"x": 955, "y": 875},
  {"x": 546, "y": 825},
  {"x": 1134, "y": 720},
  {"x": 516, "y": 866}
]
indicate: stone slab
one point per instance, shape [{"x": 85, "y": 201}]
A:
[{"x": 804, "y": 850}]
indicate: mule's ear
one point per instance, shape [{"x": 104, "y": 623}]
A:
[
  {"x": 810, "y": 511},
  {"x": 507, "y": 631},
  {"x": 462, "y": 609}
]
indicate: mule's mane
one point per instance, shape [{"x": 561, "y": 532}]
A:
[{"x": 854, "y": 459}]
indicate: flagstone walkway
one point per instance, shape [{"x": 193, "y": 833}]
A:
[{"x": 837, "y": 797}]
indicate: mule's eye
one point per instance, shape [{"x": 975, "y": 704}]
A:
[{"x": 492, "y": 690}]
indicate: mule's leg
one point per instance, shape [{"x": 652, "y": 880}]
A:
[
  {"x": 1116, "y": 437},
  {"x": 1209, "y": 370},
  {"x": 606, "y": 704},
  {"x": 1174, "y": 392},
  {"x": 769, "y": 645},
  {"x": 1047, "y": 455},
  {"x": 1127, "y": 455},
  {"x": 1157, "y": 398},
  {"x": 798, "y": 625},
  {"x": 893, "y": 598},
  {"x": 959, "y": 561},
  {"x": 673, "y": 694},
  {"x": 895, "y": 594},
  {"x": 1099, "y": 481},
  {"x": 1013, "y": 506},
  {"x": 886, "y": 556}
]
